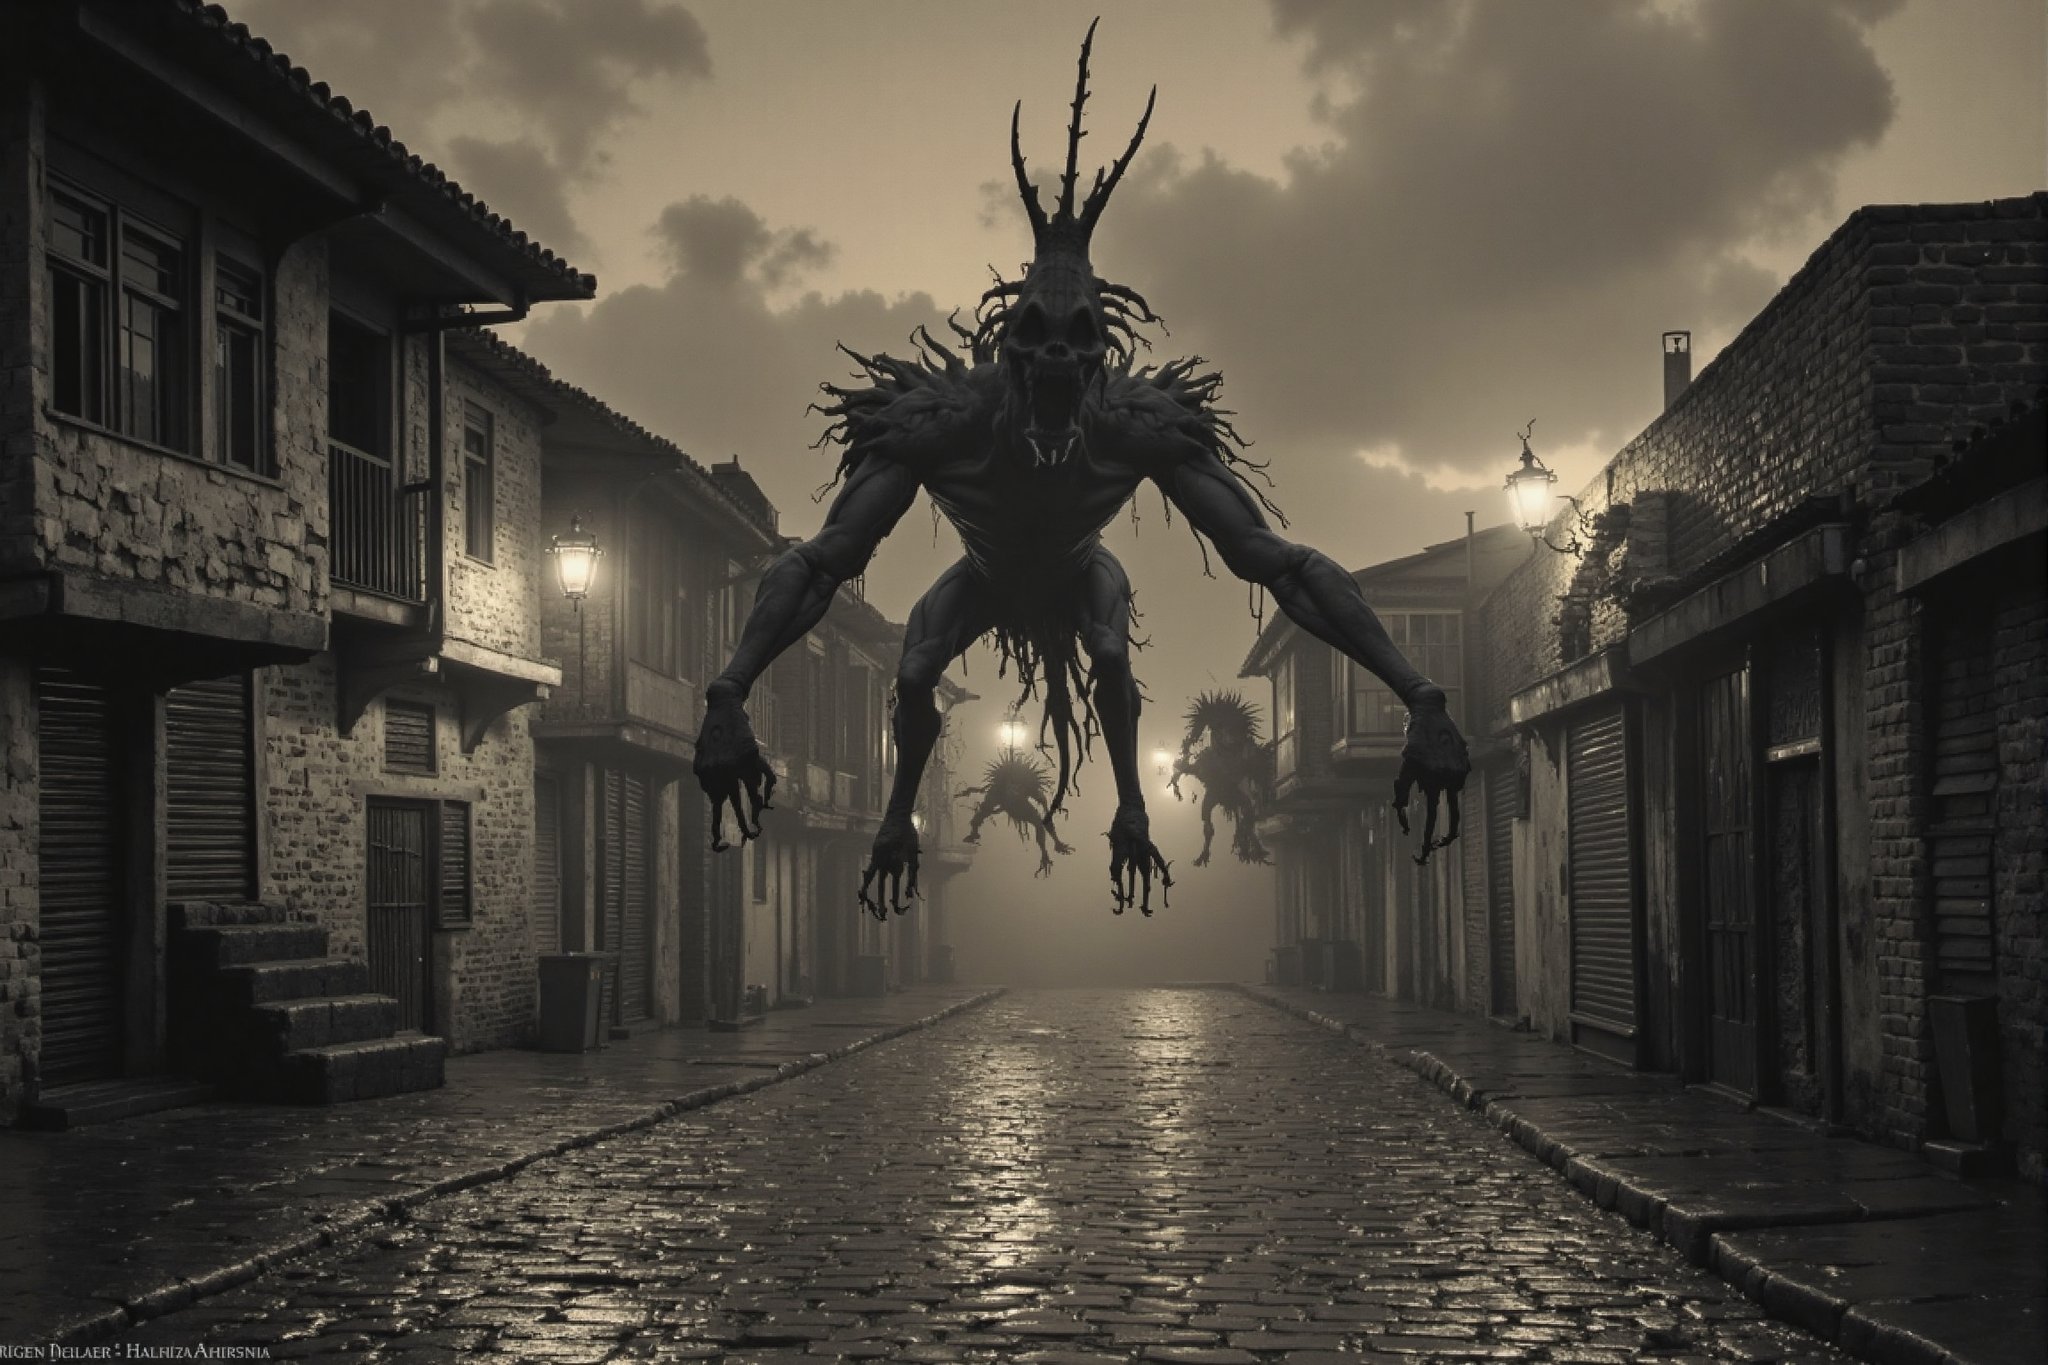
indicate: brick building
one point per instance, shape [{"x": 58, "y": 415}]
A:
[
  {"x": 1758, "y": 787},
  {"x": 268, "y": 574}
]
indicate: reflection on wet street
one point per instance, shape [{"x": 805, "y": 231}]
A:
[{"x": 1062, "y": 1176}]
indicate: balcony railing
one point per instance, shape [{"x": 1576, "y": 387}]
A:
[{"x": 378, "y": 529}]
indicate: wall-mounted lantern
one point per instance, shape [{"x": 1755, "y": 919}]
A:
[
  {"x": 1530, "y": 499},
  {"x": 575, "y": 553}
]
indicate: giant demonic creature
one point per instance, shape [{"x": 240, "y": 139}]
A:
[
  {"x": 1018, "y": 787},
  {"x": 1234, "y": 768},
  {"x": 1029, "y": 446}
]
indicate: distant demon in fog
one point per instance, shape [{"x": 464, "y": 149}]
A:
[
  {"x": 1029, "y": 446},
  {"x": 1018, "y": 787},
  {"x": 1234, "y": 768}
]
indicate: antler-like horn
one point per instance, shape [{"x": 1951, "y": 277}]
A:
[
  {"x": 1074, "y": 133},
  {"x": 1025, "y": 189},
  {"x": 1098, "y": 196}
]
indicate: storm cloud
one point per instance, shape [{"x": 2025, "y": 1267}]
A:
[{"x": 517, "y": 98}]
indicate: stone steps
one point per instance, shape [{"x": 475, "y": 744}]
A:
[
  {"x": 260, "y": 1007},
  {"x": 262, "y": 983},
  {"x": 293, "y": 1025},
  {"x": 363, "y": 1070}
]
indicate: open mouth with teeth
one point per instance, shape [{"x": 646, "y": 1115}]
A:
[{"x": 1052, "y": 406}]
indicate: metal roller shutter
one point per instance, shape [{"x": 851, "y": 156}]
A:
[
  {"x": 1602, "y": 896},
  {"x": 547, "y": 866},
  {"x": 80, "y": 872},
  {"x": 635, "y": 959},
  {"x": 611, "y": 891},
  {"x": 1964, "y": 808},
  {"x": 210, "y": 790},
  {"x": 1502, "y": 801}
]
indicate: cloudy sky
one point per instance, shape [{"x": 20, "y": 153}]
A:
[{"x": 1401, "y": 228}]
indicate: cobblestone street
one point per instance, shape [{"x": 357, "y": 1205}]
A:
[{"x": 1073, "y": 1176}]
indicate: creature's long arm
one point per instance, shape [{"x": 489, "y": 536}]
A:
[
  {"x": 1325, "y": 601},
  {"x": 797, "y": 589},
  {"x": 1308, "y": 585}
]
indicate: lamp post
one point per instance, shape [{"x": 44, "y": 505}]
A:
[
  {"x": 1530, "y": 496},
  {"x": 576, "y": 553}
]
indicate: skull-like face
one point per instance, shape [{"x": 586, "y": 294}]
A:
[{"x": 1053, "y": 351}]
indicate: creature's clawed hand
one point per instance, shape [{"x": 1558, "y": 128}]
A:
[
  {"x": 730, "y": 762},
  {"x": 1134, "y": 860},
  {"x": 883, "y": 886},
  {"x": 1434, "y": 759}
]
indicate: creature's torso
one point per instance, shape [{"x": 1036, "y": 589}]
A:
[{"x": 1023, "y": 523}]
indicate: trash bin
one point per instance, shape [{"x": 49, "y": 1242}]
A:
[{"x": 571, "y": 989}]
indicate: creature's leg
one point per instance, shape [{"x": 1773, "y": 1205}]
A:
[
  {"x": 1105, "y": 629},
  {"x": 951, "y": 615},
  {"x": 1209, "y": 804}
]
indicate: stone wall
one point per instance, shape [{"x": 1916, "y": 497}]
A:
[
  {"x": 495, "y": 602},
  {"x": 316, "y": 782}
]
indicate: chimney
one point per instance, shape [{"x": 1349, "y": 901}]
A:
[{"x": 1677, "y": 366}]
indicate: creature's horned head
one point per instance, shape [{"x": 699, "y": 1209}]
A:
[{"x": 1054, "y": 331}]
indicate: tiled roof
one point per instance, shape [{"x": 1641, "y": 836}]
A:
[
  {"x": 275, "y": 76},
  {"x": 542, "y": 387}
]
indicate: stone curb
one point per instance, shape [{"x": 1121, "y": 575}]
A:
[
  {"x": 1797, "y": 1301},
  {"x": 91, "y": 1327}
]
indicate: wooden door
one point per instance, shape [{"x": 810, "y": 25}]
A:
[
  {"x": 1728, "y": 873},
  {"x": 399, "y": 883}
]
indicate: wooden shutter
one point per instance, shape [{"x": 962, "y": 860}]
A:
[
  {"x": 452, "y": 907},
  {"x": 80, "y": 871},
  {"x": 1602, "y": 889},
  {"x": 210, "y": 790},
  {"x": 408, "y": 737}
]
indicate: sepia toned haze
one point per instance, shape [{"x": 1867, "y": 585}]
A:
[{"x": 1401, "y": 229}]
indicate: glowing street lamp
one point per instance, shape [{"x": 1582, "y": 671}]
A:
[
  {"x": 1162, "y": 759},
  {"x": 917, "y": 821},
  {"x": 1011, "y": 732},
  {"x": 1531, "y": 500},
  {"x": 1529, "y": 494},
  {"x": 575, "y": 553}
]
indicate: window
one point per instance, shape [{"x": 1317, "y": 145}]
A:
[
  {"x": 479, "y": 499},
  {"x": 80, "y": 278},
  {"x": 654, "y": 597},
  {"x": 129, "y": 371},
  {"x": 358, "y": 388},
  {"x": 1284, "y": 747},
  {"x": 238, "y": 352},
  {"x": 1432, "y": 642}
]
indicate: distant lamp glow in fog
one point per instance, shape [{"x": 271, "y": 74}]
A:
[
  {"x": 576, "y": 553},
  {"x": 1011, "y": 733},
  {"x": 917, "y": 821},
  {"x": 1529, "y": 495},
  {"x": 1162, "y": 759}
]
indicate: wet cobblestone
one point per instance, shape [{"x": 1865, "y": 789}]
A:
[{"x": 1059, "y": 1177}]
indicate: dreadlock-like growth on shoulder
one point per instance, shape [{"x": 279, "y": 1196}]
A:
[
  {"x": 1225, "y": 717},
  {"x": 902, "y": 400}
]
